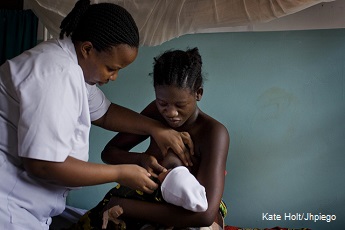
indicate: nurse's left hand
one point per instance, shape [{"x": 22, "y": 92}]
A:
[{"x": 179, "y": 142}]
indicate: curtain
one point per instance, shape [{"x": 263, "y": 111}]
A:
[
  {"x": 18, "y": 32},
  {"x": 162, "y": 20}
]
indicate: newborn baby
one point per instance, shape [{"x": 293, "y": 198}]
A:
[
  {"x": 181, "y": 188},
  {"x": 178, "y": 187}
]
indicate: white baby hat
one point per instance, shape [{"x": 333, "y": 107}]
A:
[{"x": 181, "y": 188}]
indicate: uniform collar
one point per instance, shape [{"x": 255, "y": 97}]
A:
[{"x": 68, "y": 46}]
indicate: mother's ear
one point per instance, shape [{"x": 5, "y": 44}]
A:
[{"x": 198, "y": 93}]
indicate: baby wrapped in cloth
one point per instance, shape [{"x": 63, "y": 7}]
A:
[{"x": 179, "y": 187}]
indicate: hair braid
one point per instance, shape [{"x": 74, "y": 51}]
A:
[
  {"x": 194, "y": 71},
  {"x": 103, "y": 24},
  {"x": 70, "y": 22},
  {"x": 178, "y": 68}
]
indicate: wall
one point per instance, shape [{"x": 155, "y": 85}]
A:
[{"x": 282, "y": 97}]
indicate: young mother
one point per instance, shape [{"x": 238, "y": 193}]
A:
[{"x": 178, "y": 85}]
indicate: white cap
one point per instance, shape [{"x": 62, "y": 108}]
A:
[{"x": 181, "y": 188}]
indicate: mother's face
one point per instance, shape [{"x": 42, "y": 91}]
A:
[{"x": 100, "y": 67}]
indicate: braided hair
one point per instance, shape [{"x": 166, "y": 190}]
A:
[
  {"x": 103, "y": 24},
  {"x": 178, "y": 68}
]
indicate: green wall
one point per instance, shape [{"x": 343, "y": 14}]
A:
[{"x": 282, "y": 97}]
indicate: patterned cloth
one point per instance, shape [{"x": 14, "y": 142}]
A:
[{"x": 92, "y": 219}]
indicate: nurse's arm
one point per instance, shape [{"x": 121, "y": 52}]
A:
[
  {"x": 121, "y": 119},
  {"x": 74, "y": 173}
]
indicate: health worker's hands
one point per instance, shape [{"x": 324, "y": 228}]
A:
[
  {"x": 136, "y": 177},
  {"x": 179, "y": 142}
]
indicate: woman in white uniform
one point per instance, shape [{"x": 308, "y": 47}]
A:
[{"x": 49, "y": 99}]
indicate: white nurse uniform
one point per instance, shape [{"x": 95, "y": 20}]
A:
[{"x": 46, "y": 110}]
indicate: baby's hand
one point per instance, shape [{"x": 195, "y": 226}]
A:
[
  {"x": 151, "y": 164},
  {"x": 112, "y": 214},
  {"x": 162, "y": 175}
]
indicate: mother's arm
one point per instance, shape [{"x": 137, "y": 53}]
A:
[
  {"x": 211, "y": 175},
  {"x": 117, "y": 152},
  {"x": 117, "y": 149},
  {"x": 121, "y": 119}
]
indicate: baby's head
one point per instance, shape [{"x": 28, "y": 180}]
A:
[{"x": 181, "y": 188}]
